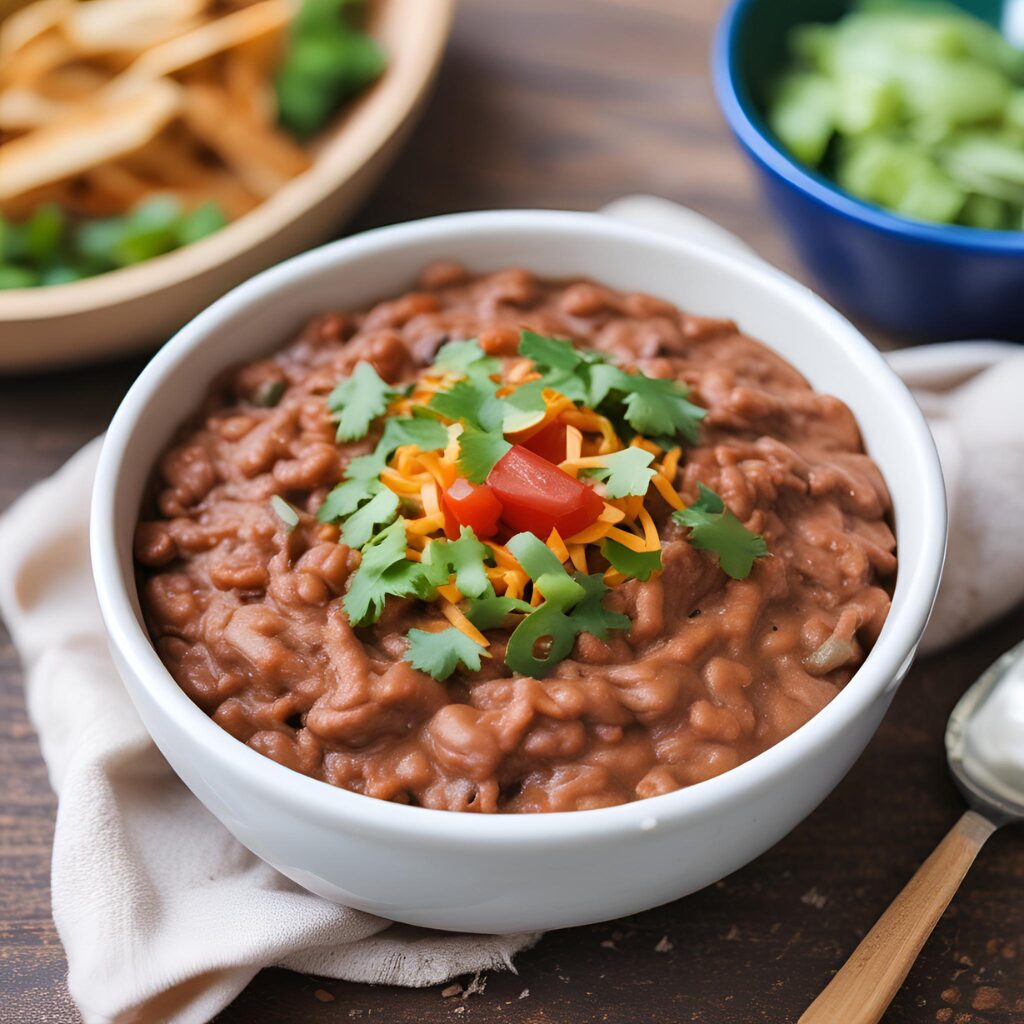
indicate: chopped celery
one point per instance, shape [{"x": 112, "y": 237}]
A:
[
  {"x": 803, "y": 115},
  {"x": 914, "y": 105},
  {"x": 985, "y": 212}
]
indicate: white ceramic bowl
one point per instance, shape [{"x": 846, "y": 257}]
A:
[{"x": 515, "y": 872}]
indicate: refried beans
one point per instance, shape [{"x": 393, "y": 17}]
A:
[{"x": 246, "y": 610}]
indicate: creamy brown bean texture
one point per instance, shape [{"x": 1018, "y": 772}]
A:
[{"x": 247, "y": 614}]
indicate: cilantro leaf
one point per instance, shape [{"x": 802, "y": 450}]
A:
[
  {"x": 438, "y": 654},
  {"x": 655, "y": 406},
  {"x": 491, "y": 611},
  {"x": 635, "y": 564},
  {"x": 652, "y": 406},
  {"x": 384, "y": 570},
  {"x": 626, "y": 472},
  {"x": 287, "y": 513},
  {"x": 380, "y": 510},
  {"x": 590, "y": 615},
  {"x": 361, "y": 483},
  {"x": 479, "y": 450},
  {"x": 472, "y": 401},
  {"x": 465, "y": 558},
  {"x": 551, "y": 352},
  {"x": 714, "y": 528},
  {"x": 562, "y": 367},
  {"x": 466, "y": 357},
  {"x": 427, "y": 434},
  {"x": 344, "y": 499},
  {"x": 359, "y": 400}
]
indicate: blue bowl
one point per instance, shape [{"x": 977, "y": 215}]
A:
[{"x": 905, "y": 276}]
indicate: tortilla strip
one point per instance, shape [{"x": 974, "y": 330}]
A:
[
  {"x": 250, "y": 89},
  {"x": 264, "y": 18},
  {"x": 38, "y": 57},
  {"x": 106, "y": 26},
  {"x": 262, "y": 160},
  {"x": 23, "y": 110},
  {"x": 20, "y": 27},
  {"x": 76, "y": 144}
]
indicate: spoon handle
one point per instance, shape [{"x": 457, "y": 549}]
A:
[{"x": 867, "y": 982}]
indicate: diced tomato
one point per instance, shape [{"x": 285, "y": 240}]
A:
[
  {"x": 539, "y": 497},
  {"x": 548, "y": 442},
  {"x": 468, "y": 504}
]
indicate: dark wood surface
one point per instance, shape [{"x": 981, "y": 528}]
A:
[{"x": 570, "y": 103}]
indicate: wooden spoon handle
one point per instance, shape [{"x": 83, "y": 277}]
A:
[{"x": 867, "y": 982}]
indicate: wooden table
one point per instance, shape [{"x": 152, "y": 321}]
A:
[{"x": 570, "y": 103}]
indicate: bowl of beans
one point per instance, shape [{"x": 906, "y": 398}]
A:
[
  {"x": 515, "y": 570},
  {"x": 888, "y": 136}
]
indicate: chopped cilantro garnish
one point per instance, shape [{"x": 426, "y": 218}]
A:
[
  {"x": 285, "y": 512},
  {"x": 479, "y": 450},
  {"x": 714, "y": 528},
  {"x": 383, "y": 571},
  {"x": 346, "y": 498},
  {"x": 650, "y": 405},
  {"x": 465, "y": 357},
  {"x": 358, "y": 401},
  {"x": 549, "y": 352},
  {"x": 427, "y": 434},
  {"x": 465, "y": 558},
  {"x": 626, "y": 472},
  {"x": 438, "y": 654},
  {"x": 378, "y": 511},
  {"x": 472, "y": 401},
  {"x": 635, "y": 564},
  {"x": 562, "y": 367}
]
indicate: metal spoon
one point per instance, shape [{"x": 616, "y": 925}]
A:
[{"x": 866, "y": 984}]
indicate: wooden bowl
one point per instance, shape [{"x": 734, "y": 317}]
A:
[{"x": 142, "y": 305}]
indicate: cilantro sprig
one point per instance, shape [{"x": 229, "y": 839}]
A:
[
  {"x": 652, "y": 406},
  {"x": 465, "y": 559},
  {"x": 479, "y": 450},
  {"x": 358, "y": 400},
  {"x": 625, "y": 473},
  {"x": 714, "y": 528},
  {"x": 383, "y": 572},
  {"x": 439, "y": 654}
]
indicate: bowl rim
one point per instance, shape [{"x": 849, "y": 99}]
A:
[
  {"x": 319, "y": 801},
  {"x": 361, "y": 130},
  {"x": 742, "y": 116}
]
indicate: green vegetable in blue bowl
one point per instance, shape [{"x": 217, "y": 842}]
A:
[{"x": 918, "y": 107}]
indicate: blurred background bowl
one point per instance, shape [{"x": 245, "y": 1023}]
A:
[
  {"x": 141, "y": 306},
  {"x": 909, "y": 277}
]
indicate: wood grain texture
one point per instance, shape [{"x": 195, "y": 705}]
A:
[{"x": 571, "y": 103}]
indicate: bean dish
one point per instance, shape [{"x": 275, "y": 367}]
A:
[{"x": 508, "y": 544}]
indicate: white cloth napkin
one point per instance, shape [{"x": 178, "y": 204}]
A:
[{"x": 165, "y": 917}]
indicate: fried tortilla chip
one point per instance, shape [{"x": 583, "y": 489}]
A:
[
  {"x": 84, "y": 140},
  {"x": 262, "y": 159},
  {"x": 267, "y": 18}
]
